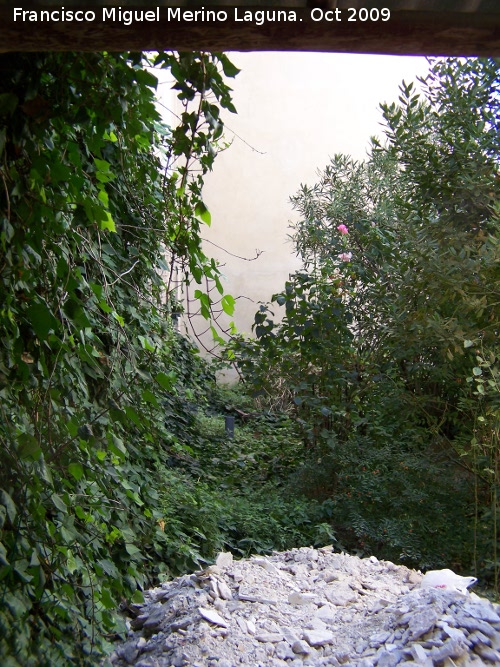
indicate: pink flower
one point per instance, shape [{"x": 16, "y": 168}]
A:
[
  {"x": 345, "y": 256},
  {"x": 343, "y": 229}
]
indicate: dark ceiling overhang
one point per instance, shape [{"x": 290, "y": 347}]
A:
[{"x": 415, "y": 27}]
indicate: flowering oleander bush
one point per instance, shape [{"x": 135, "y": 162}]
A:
[{"x": 382, "y": 329}]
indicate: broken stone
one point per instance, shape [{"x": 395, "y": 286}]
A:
[
  {"x": 154, "y": 620},
  {"x": 472, "y": 624},
  {"x": 361, "y": 647},
  {"x": 300, "y": 647},
  {"x": 326, "y": 613},
  {"x": 267, "y": 565},
  {"x": 289, "y": 635},
  {"x": 422, "y": 622},
  {"x": 340, "y": 594},
  {"x": 181, "y": 624},
  {"x": 378, "y": 605},
  {"x": 249, "y": 596},
  {"x": 213, "y": 617},
  {"x": 309, "y": 608},
  {"x": 479, "y": 638},
  {"x": 297, "y": 598},
  {"x": 419, "y": 654},
  {"x": 487, "y": 652},
  {"x": 318, "y": 637},
  {"x": 224, "y": 560},
  {"x": 224, "y": 590},
  {"x": 414, "y": 577},
  {"x": 452, "y": 648},
  {"x": 454, "y": 633},
  {"x": 379, "y": 638},
  {"x": 284, "y": 651},
  {"x": 272, "y": 637},
  {"x": 482, "y": 610},
  {"x": 388, "y": 659},
  {"x": 129, "y": 654}
]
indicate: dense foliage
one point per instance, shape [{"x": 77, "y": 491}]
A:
[
  {"x": 387, "y": 351},
  {"x": 98, "y": 202},
  {"x": 233, "y": 493},
  {"x": 377, "y": 419}
]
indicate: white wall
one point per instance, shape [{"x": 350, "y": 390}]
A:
[{"x": 295, "y": 110}]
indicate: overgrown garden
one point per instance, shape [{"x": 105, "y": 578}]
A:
[{"x": 369, "y": 412}]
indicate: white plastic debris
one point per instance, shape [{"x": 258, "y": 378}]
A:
[{"x": 447, "y": 579}]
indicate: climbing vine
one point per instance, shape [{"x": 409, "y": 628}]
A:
[{"x": 99, "y": 200}]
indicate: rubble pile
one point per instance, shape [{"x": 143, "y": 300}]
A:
[{"x": 312, "y": 607}]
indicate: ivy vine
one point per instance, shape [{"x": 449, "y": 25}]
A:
[{"x": 98, "y": 202}]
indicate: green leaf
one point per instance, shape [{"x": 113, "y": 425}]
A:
[
  {"x": 228, "y": 302},
  {"x": 108, "y": 223},
  {"x": 217, "y": 338},
  {"x": 59, "y": 503},
  {"x": 147, "y": 78},
  {"x": 71, "y": 562},
  {"x": 59, "y": 172},
  {"x": 166, "y": 381},
  {"x": 119, "y": 319},
  {"x": 17, "y": 606},
  {"x": 41, "y": 319},
  {"x": 111, "y": 136},
  {"x": 138, "y": 597},
  {"x": 149, "y": 397},
  {"x": 109, "y": 568},
  {"x": 43, "y": 470},
  {"x": 105, "y": 307},
  {"x": 205, "y": 303},
  {"x": 103, "y": 196},
  {"x": 146, "y": 344},
  {"x": 76, "y": 469},
  {"x": 132, "y": 550},
  {"x": 3, "y": 554},
  {"x": 202, "y": 212},
  {"x": 80, "y": 512},
  {"x": 107, "y": 600},
  {"x": 97, "y": 289},
  {"x": 227, "y": 66},
  {"x": 9, "y": 505},
  {"x": 29, "y": 447},
  {"x": 133, "y": 495},
  {"x": 477, "y": 371},
  {"x": 468, "y": 343},
  {"x": 117, "y": 445},
  {"x": 102, "y": 165},
  {"x": 133, "y": 416}
]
